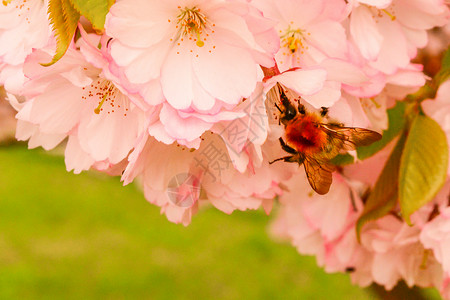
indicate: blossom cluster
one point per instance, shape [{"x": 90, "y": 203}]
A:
[{"x": 179, "y": 96}]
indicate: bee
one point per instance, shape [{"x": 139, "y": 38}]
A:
[{"x": 312, "y": 141}]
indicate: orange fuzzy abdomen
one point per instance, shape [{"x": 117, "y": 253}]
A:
[{"x": 305, "y": 135}]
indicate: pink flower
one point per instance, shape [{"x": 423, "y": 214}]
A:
[
  {"x": 197, "y": 59},
  {"x": 445, "y": 289},
  {"x": 399, "y": 254},
  {"x": 388, "y": 90},
  {"x": 248, "y": 131},
  {"x": 436, "y": 236},
  {"x": 310, "y": 31},
  {"x": 439, "y": 109},
  {"x": 23, "y": 26},
  {"x": 309, "y": 84},
  {"x": 315, "y": 223},
  {"x": 388, "y": 33},
  {"x": 175, "y": 177},
  {"x": 100, "y": 120}
]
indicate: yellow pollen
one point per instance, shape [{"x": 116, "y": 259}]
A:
[
  {"x": 199, "y": 42},
  {"x": 6, "y": 2},
  {"x": 293, "y": 39}
]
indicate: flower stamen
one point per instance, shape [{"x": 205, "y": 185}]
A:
[
  {"x": 97, "y": 110},
  {"x": 426, "y": 254},
  {"x": 192, "y": 23},
  {"x": 294, "y": 39},
  {"x": 391, "y": 15}
]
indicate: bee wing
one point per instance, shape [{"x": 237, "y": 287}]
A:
[
  {"x": 319, "y": 173},
  {"x": 348, "y": 138}
]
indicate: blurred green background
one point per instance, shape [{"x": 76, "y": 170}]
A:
[{"x": 86, "y": 236}]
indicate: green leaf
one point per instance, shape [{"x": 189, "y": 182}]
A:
[
  {"x": 396, "y": 124},
  {"x": 64, "y": 19},
  {"x": 94, "y": 10},
  {"x": 444, "y": 72},
  {"x": 423, "y": 167},
  {"x": 385, "y": 193}
]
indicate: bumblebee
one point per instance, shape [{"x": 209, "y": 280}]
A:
[{"x": 313, "y": 141}]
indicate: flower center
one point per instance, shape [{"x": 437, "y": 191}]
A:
[
  {"x": 380, "y": 13},
  {"x": 295, "y": 41},
  {"x": 110, "y": 99},
  {"x": 192, "y": 23}
]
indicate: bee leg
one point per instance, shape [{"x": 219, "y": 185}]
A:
[
  {"x": 286, "y": 159},
  {"x": 279, "y": 119},
  {"x": 323, "y": 111},
  {"x": 301, "y": 108},
  {"x": 287, "y": 148},
  {"x": 278, "y": 108}
]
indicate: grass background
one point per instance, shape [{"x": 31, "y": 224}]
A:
[{"x": 86, "y": 236}]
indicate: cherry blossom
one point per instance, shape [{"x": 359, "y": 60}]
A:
[
  {"x": 310, "y": 31},
  {"x": 187, "y": 98},
  {"x": 399, "y": 254},
  {"x": 180, "y": 176},
  {"x": 315, "y": 223},
  {"x": 436, "y": 236},
  {"x": 24, "y": 25},
  {"x": 100, "y": 120},
  {"x": 439, "y": 109},
  {"x": 388, "y": 33},
  {"x": 176, "y": 58}
]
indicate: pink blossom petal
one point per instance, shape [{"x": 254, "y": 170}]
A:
[
  {"x": 302, "y": 81},
  {"x": 326, "y": 97},
  {"x": 343, "y": 71},
  {"x": 28, "y": 131},
  {"x": 380, "y": 4},
  {"x": 152, "y": 93},
  {"x": 12, "y": 78},
  {"x": 158, "y": 131},
  {"x": 365, "y": 33},
  {"x": 237, "y": 77},
  {"x": 141, "y": 66},
  {"x": 417, "y": 39},
  {"x": 139, "y": 23},
  {"x": 75, "y": 158},
  {"x": 302, "y": 12},
  {"x": 226, "y": 20},
  {"x": 419, "y": 14},
  {"x": 329, "y": 37},
  {"x": 77, "y": 76},
  {"x": 57, "y": 111},
  {"x": 176, "y": 79},
  {"x": 394, "y": 53},
  {"x": 179, "y": 128},
  {"x": 203, "y": 101},
  {"x": 108, "y": 136}
]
